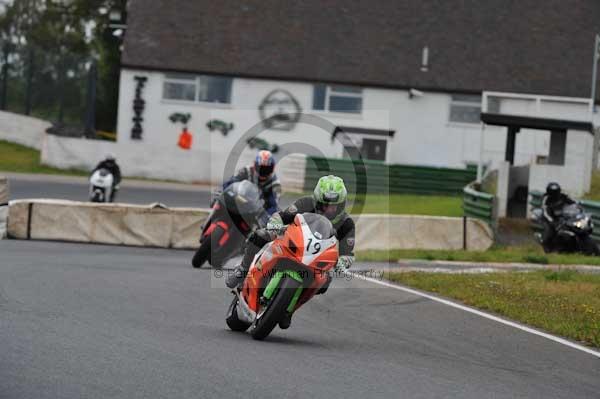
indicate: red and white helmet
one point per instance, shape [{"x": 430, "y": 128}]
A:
[{"x": 264, "y": 164}]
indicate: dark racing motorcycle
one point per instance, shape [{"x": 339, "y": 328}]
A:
[
  {"x": 235, "y": 213},
  {"x": 573, "y": 231}
]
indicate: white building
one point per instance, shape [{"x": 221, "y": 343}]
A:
[{"x": 403, "y": 80}]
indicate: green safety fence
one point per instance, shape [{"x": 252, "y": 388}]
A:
[
  {"x": 478, "y": 205},
  {"x": 591, "y": 207},
  {"x": 377, "y": 177}
]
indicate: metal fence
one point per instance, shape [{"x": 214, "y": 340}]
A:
[
  {"x": 478, "y": 205},
  {"x": 49, "y": 85},
  {"x": 591, "y": 207},
  {"x": 364, "y": 176}
]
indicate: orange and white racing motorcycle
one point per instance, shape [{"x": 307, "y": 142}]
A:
[{"x": 284, "y": 275}]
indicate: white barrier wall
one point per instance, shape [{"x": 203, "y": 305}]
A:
[
  {"x": 117, "y": 224},
  {"x": 382, "y": 232},
  {"x": 575, "y": 175},
  {"x": 22, "y": 129},
  {"x": 180, "y": 227},
  {"x": 170, "y": 163},
  {"x": 291, "y": 170}
]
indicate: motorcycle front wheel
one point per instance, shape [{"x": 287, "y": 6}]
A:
[
  {"x": 589, "y": 246},
  {"x": 276, "y": 309},
  {"x": 210, "y": 250}
]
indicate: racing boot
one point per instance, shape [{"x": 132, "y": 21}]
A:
[{"x": 236, "y": 278}]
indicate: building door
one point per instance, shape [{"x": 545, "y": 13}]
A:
[{"x": 374, "y": 149}]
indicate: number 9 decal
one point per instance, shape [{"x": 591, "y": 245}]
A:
[{"x": 316, "y": 247}]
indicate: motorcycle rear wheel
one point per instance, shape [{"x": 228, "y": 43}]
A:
[
  {"x": 276, "y": 309},
  {"x": 589, "y": 247},
  {"x": 203, "y": 253}
]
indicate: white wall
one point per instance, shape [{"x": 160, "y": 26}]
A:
[
  {"x": 423, "y": 134},
  {"x": 22, "y": 129},
  {"x": 575, "y": 175}
]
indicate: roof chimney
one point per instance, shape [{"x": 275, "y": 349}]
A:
[{"x": 425, "y": 59}]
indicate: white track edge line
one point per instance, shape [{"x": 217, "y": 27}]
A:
[{"x": 485, "y": 315}]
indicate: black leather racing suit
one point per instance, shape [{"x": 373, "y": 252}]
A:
[
  {"x": 552, "y": 206},
  {"x": 344, "y": 228}
]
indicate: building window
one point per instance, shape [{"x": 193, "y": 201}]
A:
[
  {"x": 337, "y": 98},
  {"x": 466, "y": 108},
  {"x": 179, "y": 87},
  {"x": 212, "y": 89}
]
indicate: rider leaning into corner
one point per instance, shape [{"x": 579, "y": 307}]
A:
[
  {"x": 552, "y": 203},
  {"x": 261, "y": 173},
  {"x": 329, "y": 200}
]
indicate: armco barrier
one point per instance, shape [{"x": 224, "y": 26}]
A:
[
  {"x": 180, "y": 227},
  {"x": 377, "y": 177},
  {"x": 478, "y": 205},
  {"x": 591, "y": 207}
]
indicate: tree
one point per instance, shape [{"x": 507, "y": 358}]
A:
[{"x": 63, "y": 36}]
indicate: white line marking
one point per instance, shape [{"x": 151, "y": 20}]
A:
[{"x": 486, "y": 315}]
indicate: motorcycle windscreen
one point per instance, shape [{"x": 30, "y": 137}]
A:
[
  {"x": 571, "y": 211},
  {"x": 319, "y": 225},
  {"x": 244, "y": 198}
]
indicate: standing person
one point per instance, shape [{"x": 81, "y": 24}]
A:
[{"x": 261, "y": 173}]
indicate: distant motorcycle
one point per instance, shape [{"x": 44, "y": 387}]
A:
[
  {"x": 101, "y": 186},
  {"x": 235, "y": 213},
  {"x": 573, "y": 232}
]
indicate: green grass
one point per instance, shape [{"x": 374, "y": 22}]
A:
[
  {"x": 563, "y": 302},
  {"x": 408, "y": 204},
  {"x": 401, "y": 204},
  {"x": 17, "y": 158},
  {"x": 503, "y": 254}
]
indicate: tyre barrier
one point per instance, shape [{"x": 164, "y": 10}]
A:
[{"x": 158, "y": 226}]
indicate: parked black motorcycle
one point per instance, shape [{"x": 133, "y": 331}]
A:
[
  {"x": 573, "y": 231},
  {"x": 235, "y": 213}
]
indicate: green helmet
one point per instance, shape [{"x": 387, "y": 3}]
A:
[{"x": 330, "y": 197}]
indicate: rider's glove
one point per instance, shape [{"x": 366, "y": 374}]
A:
[
  {"x": 215, "y": 197},
  {"x": 343, "y": 263},
  {"x": 275, "y": 224}
]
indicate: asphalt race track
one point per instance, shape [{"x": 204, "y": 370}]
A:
[
  {"x": 78, "y": 191},
  {"x": 88, "y": 321}
]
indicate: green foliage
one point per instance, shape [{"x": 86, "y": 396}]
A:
[
  {"x": 406, "y": 204},
  {"x": 56, "y": 40},
  {"x": 17, "y": 158},
  {"x": 560, "y": 275},
  {"x": 497, "y": 254}
]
